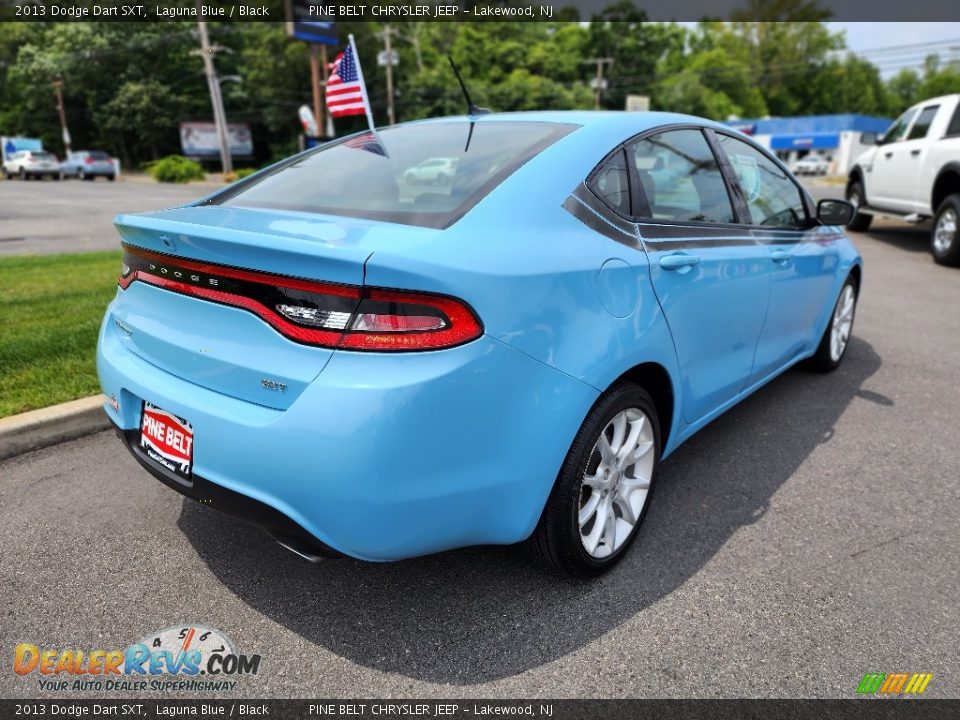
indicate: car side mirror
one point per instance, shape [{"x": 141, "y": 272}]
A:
[
  {"x": 870, "y": 139},
  {"x": 835, "y": 212}
]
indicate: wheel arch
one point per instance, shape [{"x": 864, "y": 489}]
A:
[
  {"x": 856, "y": 175},
  {"x": 947, "y": 183},
  {"x": 655, "y": 379}
]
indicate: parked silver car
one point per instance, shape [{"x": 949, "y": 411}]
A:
[
  {"x": 88, "y": 164},
  {"x": 27, "y": 164}
]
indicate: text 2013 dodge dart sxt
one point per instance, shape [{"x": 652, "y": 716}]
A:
[{"x": 364, "y": 365}]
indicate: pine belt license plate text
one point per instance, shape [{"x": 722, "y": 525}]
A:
[{"x": 167, "y": 439}]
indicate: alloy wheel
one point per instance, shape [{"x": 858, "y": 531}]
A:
[
  {"x": 616, "y": 483},
  {"x": 842, "y": 323},
  {"x": 945, "y": 231}
]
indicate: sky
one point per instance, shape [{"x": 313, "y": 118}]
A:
[
  {"x": 892, "y": 46},
  {"x": 868, "y": 35}
]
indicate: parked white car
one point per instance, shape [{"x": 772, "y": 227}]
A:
[
  {"x": 27, "y": 164},
  {"x": 811, "y": 165},
  {"x": 913, "y": 174},
  {"x": 438, "y": 171}
]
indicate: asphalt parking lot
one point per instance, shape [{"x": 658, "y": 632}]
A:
[
  {"x": 45, "y": 216},
  {"x": 803, "y": 539}
]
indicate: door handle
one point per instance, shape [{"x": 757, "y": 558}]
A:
[
  {"x": 780, "y": 256},
  {"x": 888, "y": 155},
  {"x": 914, "y": 153},
  {"x": 678, "y": 261}
]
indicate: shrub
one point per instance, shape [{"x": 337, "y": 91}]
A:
[
  {"x": 244, "y": 172},
  {"x": 175, "y": 169}
]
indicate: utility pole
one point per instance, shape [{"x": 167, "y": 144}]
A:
[
  {"x": 58, "y": 89},
  {"x": 599, "y": 84},
  {"x": 388, "y": 31},
  {"x": 315, "y": 84},
  {"x": 216, "y": 99}
]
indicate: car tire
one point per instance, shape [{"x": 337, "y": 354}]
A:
[
  {"x": 590, "y": 489},
  {"x": 836, "y": 338},
  {"x": 111, "y": 177},
  {"x": 945, "y": 236},
  {"x": 856, "y": 197}
]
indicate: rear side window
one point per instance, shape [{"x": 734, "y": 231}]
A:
[
  {"x": 922, "y": 126},
  {"x": 427, "y": 174},
  {"x": 773, "y": 199},
  {"x": 954, "y": 128},
  {"x": 680, "y": 179},
  {"x": 610, "y": 183}
]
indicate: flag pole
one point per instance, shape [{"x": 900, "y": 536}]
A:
[{"x": 363, "y": 87}]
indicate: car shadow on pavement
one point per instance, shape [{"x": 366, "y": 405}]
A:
[
  {"x": 481, "y": 614},
  {"x": 911, "y": 238}
]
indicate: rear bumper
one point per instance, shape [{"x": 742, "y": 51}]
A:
[
  {"x": 381, "y": 457},
  {"x": 274, "y": 523}
]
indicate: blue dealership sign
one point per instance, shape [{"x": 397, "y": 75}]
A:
[{"x": 306, "y": 22}]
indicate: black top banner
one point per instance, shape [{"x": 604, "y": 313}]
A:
[{"x": 310, "y": 15}]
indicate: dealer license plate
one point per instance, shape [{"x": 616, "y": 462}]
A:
[{"x": 167, "y": 439}]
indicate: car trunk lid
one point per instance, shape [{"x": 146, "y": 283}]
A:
[{"x": 225, "y": 294}]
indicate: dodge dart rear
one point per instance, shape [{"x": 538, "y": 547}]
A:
[{"x": 363, "y": 365}]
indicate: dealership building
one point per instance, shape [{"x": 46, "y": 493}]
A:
[{"x": 839, "y": 139}]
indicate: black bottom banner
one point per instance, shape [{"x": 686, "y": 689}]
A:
[{"x": 459, "y": 709}]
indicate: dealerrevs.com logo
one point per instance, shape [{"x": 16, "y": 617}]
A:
[{"x": 181, "y": 658}]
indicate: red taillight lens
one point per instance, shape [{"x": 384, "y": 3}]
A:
[
  {"x": 312, "y": 312},
  {"x": 89, "y": 160},
  {"x": 394, "y": 320}
]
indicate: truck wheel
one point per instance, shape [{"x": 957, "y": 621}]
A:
[
  {"x": 945, "y": 240},
  {"x": 856, "y": 197}
]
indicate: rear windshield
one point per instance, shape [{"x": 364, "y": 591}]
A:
[
  {"x": 428, "y": 174},
  {"x": 97, "y": 155},
  {"x": 36, "y": 155}
]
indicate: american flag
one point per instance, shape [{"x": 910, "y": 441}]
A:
[{"x": 345, "y": 92}]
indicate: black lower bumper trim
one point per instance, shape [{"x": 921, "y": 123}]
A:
[{"x": 279, "y": 526}]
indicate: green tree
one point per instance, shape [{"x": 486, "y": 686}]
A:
[{"x": 141, "y": 115}]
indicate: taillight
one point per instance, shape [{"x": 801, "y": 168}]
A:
[
  {"x": 89, "y": 160},
  {"x": 398, "y": 320},
  {"x": 312, "y": 312}
]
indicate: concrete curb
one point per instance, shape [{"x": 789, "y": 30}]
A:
[{"x": 49, "y": 426}]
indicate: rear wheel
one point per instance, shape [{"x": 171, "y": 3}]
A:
[
  {"x": 945, "y": 238},
  {"x": 856, "y": 197},
  {"x": 601, "y": 495},
  {"x": 111, "y": 177},
  {"x": 836, "y": 337}
]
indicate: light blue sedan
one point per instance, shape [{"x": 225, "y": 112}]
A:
[
  {"x": 367, "y": 368},
  {"x": 88, "y": 165}
]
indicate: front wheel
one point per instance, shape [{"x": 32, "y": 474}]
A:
[
  {"x": 856, "y": 197},
  {"x": 602, "y": 493},
  {"x": 836, "y": 337},
  {"x": 945, "y": 240}
]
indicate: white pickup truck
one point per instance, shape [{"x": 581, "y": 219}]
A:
[{"x": 913, "y": 174}]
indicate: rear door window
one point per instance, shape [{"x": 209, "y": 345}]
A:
[
  {"x": 680, "y": 178},
  {"x": 953, "y": 129}
]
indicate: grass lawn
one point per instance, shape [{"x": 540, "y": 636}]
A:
[{"x": 50, "y": 312}]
